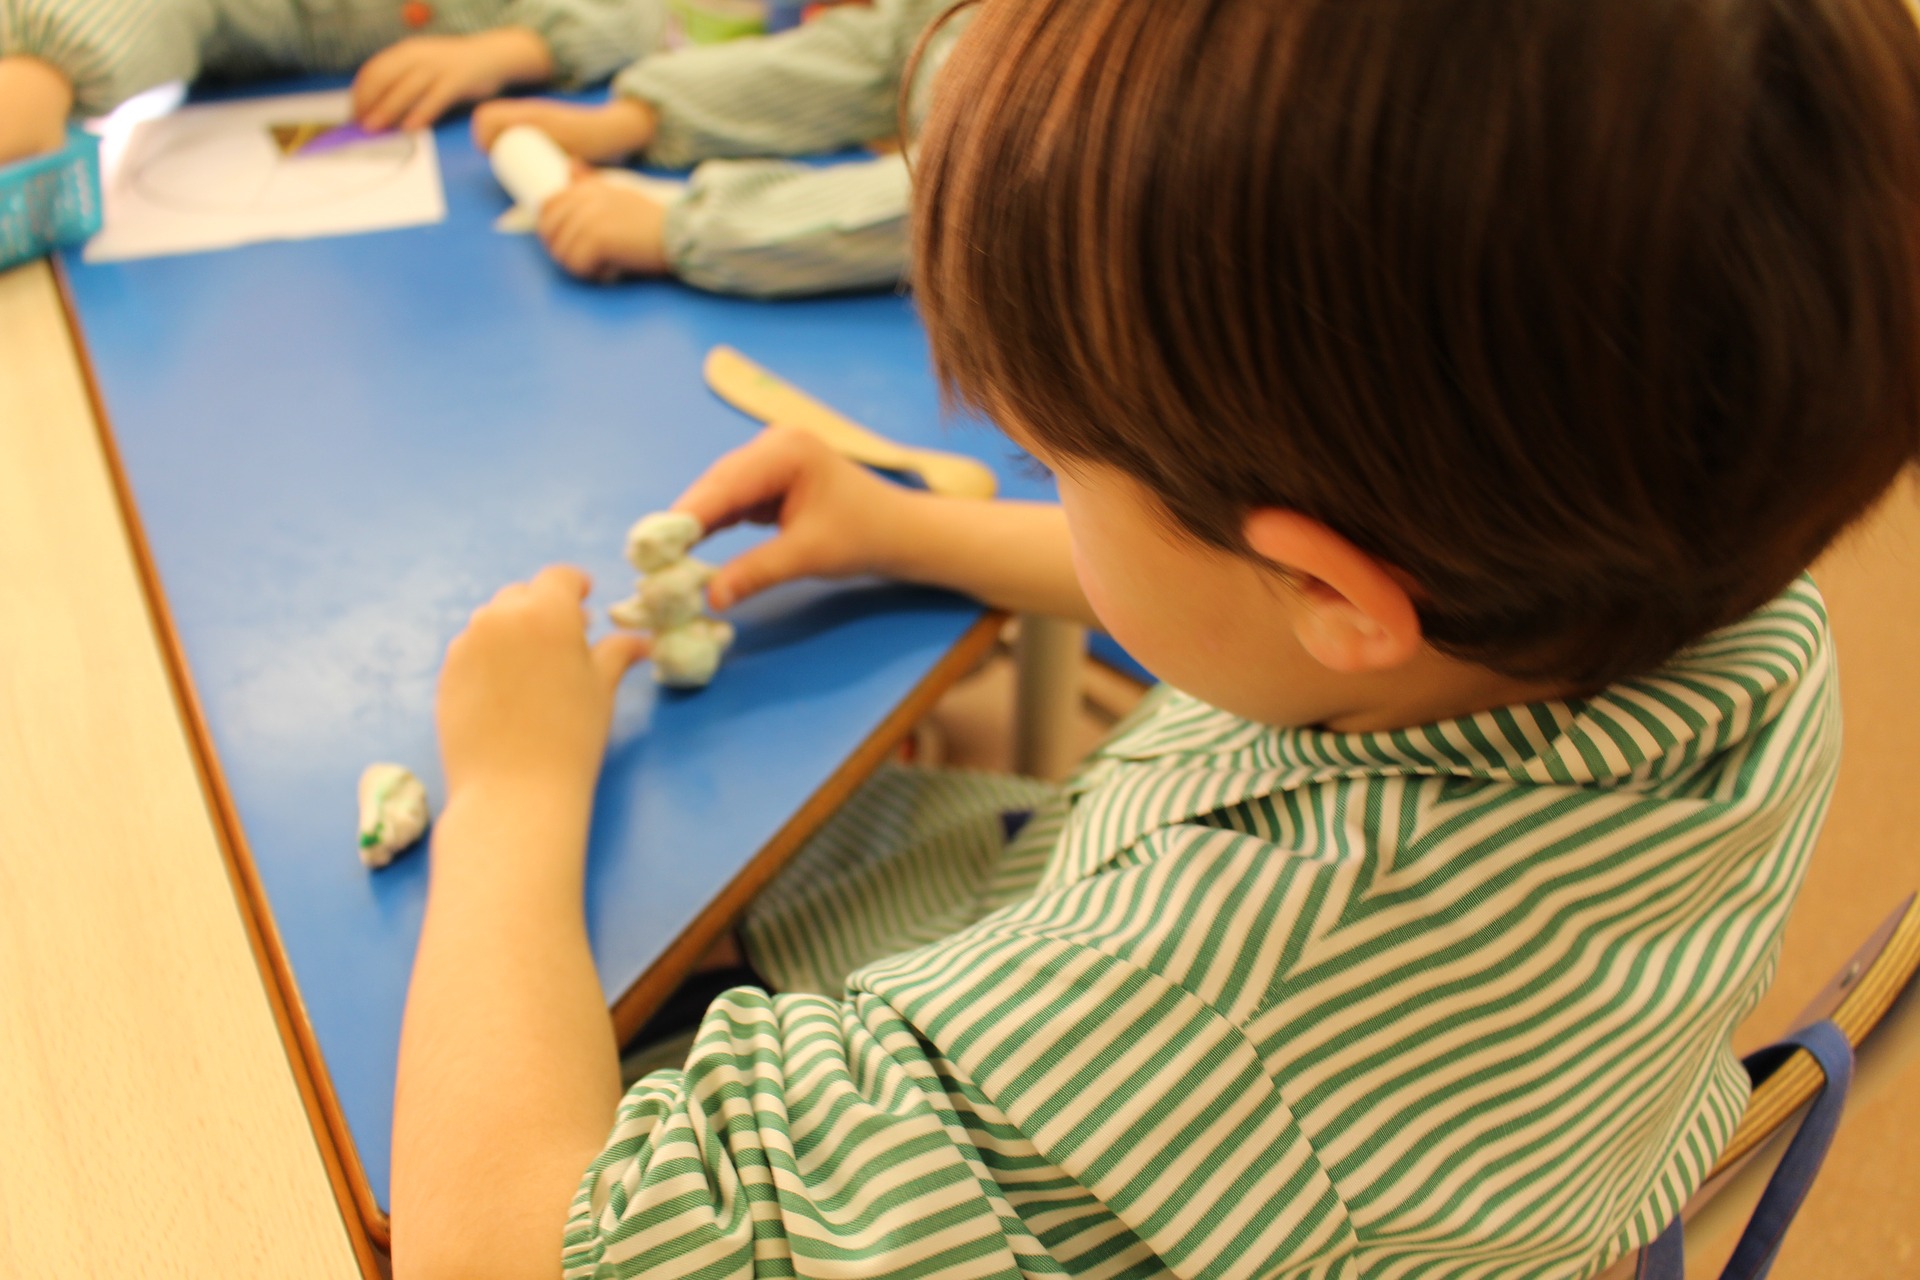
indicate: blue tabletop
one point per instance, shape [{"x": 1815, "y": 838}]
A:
[{"x": 339, "y": 447}]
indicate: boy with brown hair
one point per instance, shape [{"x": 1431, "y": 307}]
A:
[{"x": 1446, "y": 398}]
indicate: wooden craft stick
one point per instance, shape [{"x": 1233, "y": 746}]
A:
[{"x": 759, "y": 394}]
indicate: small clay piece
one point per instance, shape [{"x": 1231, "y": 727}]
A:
[
  {"x": 673, "y": 596},
  {"x": 658, "y": 540},
  {"x": 393, "y": 812},
  {"x": 687, "y": 656},
  {"x": 668, "y": 600}
]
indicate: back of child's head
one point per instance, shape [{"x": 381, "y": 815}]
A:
[{"x": 1597, "y": 319}]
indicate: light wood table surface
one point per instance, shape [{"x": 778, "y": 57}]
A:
[{"x": 153, "y": 1124}]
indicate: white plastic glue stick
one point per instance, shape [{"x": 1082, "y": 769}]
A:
[{"x": 532, "y": 168}]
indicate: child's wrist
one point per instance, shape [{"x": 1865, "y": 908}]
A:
[
  {"x": 530, "y": 830},
  {"x": 633, "y": 122},
  {"x": 518, "y": 55},
  {"x": 550, "y": 792},
  {"x": 907, "y": 524}
]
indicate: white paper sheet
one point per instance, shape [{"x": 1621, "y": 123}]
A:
[{"x": 210, "y": 177}]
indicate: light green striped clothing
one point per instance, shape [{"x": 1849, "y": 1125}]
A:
[
  {"x": 1244, "y": 1001},
  {"x": 772, "y": 228},
  {"x": 112, "y": 49}
]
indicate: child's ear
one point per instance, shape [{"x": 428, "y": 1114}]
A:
[{"x": 1356, "y": 615}]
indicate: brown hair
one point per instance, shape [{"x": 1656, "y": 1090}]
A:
[{"x": 1598, "y": 318}]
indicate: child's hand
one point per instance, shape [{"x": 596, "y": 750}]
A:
[
  {"x": 34, "y": 101},
  {"x": 523, "y": 699},
  {"x": 411, "y": 84},
  {"x": 602, "y": 134},
  {"x": 600, "y": 230},
  {"x": 836, "y": 518}
]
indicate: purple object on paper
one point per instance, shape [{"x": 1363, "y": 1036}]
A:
[{"x": 344, "y": 136}]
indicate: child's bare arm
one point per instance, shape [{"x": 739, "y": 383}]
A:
[
  {"x": 415, "y": 82},
  {"x": 35, "y": 99},
  {"x": 599, "y": 133},
  {"x": 508, "y": 1073},
  {"x": 838, "y": 520}
]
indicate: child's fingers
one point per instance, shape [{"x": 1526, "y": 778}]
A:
[
  {"x": 615, "y": 653},
  {"x": 481, "y": 127},
  {"x": 577, "y": 243},
  {"x": 779, "y": 559},
  {"x": 370, "y": 84},
  {"x": 558, "y": 214},
  {"x": 493, "y": 119},
  {"x": 564, "y": 581},
  {"x": 382, "y": 79},
  {"x": 573, "y": 250},
  {"x": 439, "y": 96},
  {"x": 401, "y": 94},
  {"x": 751, "y": 480}
]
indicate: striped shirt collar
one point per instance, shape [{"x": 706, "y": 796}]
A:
[{"x": 1641, "y": 732}]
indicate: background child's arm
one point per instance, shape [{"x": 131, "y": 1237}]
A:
[
  {"x": 765, "y": 229},
  {"x": 838, "y": 520},
  {"x": 508, "y": 1073},
  {"x": 35, "y": 100},
  {"x": 833, "y": 82},
  {"x": 569, "y": 42},
  {"x": 105, "y": 50},
  {"x": 774, "y": 229},
  {"x": 829, "y": 84},
  {"x": 591, "y": 39},
  {"x": 411, "y": 84}
]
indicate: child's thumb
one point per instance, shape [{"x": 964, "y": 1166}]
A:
[{"x": 613, "y": 654}]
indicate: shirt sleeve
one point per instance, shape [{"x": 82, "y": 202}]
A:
[
  {"x": 777, "y": 229},
  {"x": 109, "y": 50},
  {"x": 827, "y": 84},
  {"x": 591, "y": 39},
  {"x": 1019, "y": 1099},
  {"x": 804, "y": 1133}
]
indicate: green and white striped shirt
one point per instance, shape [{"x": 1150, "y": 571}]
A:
[
  {"x": 112, "y": 49},
  {"x": 1244, "y": 1001},
  {"x": 773, "y": 228}
]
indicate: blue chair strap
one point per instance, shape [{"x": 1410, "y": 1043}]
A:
[{"x": 1665, "y": 1258}]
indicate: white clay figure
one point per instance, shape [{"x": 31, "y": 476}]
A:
[
  {"x": 656, "y": 541},
  {"x": 668, "y": 601},
  {"x": 393, "y": 812},
  {"x": 687, "y": 656},
  {"x": 664, "y": 599},
  {"x": 630, "y": 613},
  {"x": 673, "y": 595}
]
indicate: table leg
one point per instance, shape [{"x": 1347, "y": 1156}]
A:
[{"x": 1048, "y": 654}]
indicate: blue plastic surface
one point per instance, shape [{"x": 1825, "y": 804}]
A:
[
  {"x": 1105, "y": 648},
  {"x": 50, "y": 202},
  {"x": 339, "y": 448}
]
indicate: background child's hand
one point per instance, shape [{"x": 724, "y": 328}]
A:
[
  {"x": 411, "y": 84},
  {"x": 599, "y": 230},
  {"x": 836, "y": 518},
  {"x": 601, "y": 134},
  {"x": 523, "y": 699},
  {"x": 35, "y": 99}
]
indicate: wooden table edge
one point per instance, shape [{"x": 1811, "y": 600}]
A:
[{"x": 368, "y": 1226}]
